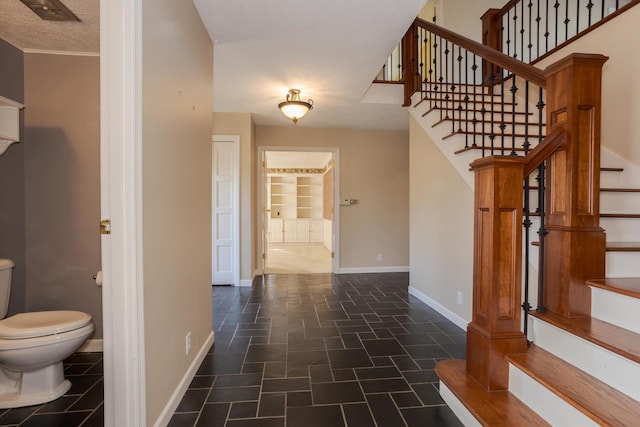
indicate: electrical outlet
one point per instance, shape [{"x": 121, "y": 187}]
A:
[
  {"x": 187, "y": 343},
  {"x": 459, "y": 296},
  {"x": 379, "y": 257}
]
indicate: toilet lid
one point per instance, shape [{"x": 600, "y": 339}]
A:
[{"x": 41, "y": 323}]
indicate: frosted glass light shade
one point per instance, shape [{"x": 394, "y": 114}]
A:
[{"x": 294, "y": 108}]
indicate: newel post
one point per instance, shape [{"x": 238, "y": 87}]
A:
[
  {"x": 494, "y": 330},
  {"x": 410, "y": 74},
  {"x": 491, "y": 37},
  {"x": 575, "y": 243}
]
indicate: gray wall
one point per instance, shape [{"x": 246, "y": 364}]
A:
[
  {"x": 12, "y": 195},
  {"x": 62, "y": 183}
]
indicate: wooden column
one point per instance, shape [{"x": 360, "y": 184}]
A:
[
  {"x": 491, "y": 37},
  {"x": 575, "y": 245},
  {"x": 497, "y": 270},
  {"x": 410, "y": 75}
]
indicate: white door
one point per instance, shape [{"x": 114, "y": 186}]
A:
[{"x": 224, "y": 211}]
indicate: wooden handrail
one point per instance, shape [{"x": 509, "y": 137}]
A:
[
  {"x": 549, "y": 145},
  {"x": 519, "y": 68}
]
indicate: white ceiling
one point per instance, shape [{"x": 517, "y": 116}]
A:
[
  {"x": 25, "y": 30},
  {"x": 330, "y": 49}
]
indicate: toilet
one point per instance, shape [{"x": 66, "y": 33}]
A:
[{"x": 32, "y": 348}]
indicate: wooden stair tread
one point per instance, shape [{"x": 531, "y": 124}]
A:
[
  {"x": 597, "y": 400},
  {"x": 623, "y": 247},
  {"x": 495, "y": 408},
  {"x": 480, "y": 121},
  {"x": 610, "y": 246},
  {"x": 621, "y": 190},
  {"x": 518, "y": 113},
  {"x": 629, "y": 286},
  {"x": 618, "y": 215},
  {"x": 615, "y": 339},
  {"x": 496, "y": 150},
  {"x": 497, "y": 134}
]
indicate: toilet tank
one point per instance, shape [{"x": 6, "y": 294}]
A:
[{"x": 6, "y": 268}]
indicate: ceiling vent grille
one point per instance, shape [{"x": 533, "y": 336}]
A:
[{"x": 50, "y": 10}]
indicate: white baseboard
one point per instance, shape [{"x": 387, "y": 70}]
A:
[
  {"x": 450, "y": 315},
  {"x": 91, "y": 346},
  {"x": 176, "y": 397},
  {"x": 361, "y": 270},
  {"x": 247, "y": 282}
]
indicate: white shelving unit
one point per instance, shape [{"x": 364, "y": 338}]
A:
[
  {"x": 295, "y": 204},
  {"x": 9, "y": 122}
]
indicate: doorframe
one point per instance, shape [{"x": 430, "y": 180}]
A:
[
  {"x": 121, "y": 202},
  {"x": 335, "y": 225},
  {"x": 235, "y": 139}
]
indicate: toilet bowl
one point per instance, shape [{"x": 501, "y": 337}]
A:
[{"x": 32, "y": 348}]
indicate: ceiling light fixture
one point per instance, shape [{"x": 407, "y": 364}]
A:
[
  {"x": 50, "y": 10},
  {"x": 295, "y": 108}
]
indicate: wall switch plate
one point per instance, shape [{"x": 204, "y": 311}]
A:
[
  {"x": 379, "y": 257},
  {"x": 459, "y": 297},
  {"x": 187, "y": 343}
]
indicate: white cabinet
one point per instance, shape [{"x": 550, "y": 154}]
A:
[
  {"x": 290, "y": 230},
  {"x": 315, "y": 230},
  {"x": 274, "y": 233}
]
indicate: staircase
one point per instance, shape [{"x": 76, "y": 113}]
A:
[{"x": 579, "y": 370}]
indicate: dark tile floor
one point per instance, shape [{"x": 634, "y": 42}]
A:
[
  {"x": 296, "y": 350},
  {"x": 322, "y": 350},
  {"x": 82, "y": 405}
]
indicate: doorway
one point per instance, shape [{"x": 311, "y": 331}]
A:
[{"x": 298, "y": 199}]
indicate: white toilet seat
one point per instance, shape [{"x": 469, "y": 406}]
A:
[{"x": 41, "y": 323}]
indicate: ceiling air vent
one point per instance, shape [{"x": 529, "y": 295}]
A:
[{"x": 50, "y": 10}]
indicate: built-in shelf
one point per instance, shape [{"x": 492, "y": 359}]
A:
[
  {"x": 9, "y": 122},
  {"x": 295, "y": 205}
]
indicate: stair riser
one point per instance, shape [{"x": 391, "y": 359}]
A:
[
  {"x": 622, "y": 264},
  {"x": 458, "y": 408},
  {"x": 619, "y": 202},
  {"x": 618, "y": 372},
  {"x": 621, "y": 229},
  {"x": 544, "y": 402},
  {"x": 617, "y": 309}
]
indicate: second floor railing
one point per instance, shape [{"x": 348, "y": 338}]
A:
[{"x": 529, "y": 30}]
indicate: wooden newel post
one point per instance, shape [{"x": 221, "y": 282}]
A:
[
  {"x": 491, "y": 37},
  {"x": 575, "y": 244},
  {"x": 410, "y": 74},
  {"x": 495, "y": 329}
]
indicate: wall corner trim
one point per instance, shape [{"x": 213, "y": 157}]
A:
[
  {"x": 450, "y": 315},
  {"x": 176, "y": 397}
]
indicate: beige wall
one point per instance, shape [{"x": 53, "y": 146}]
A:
[
  {"x": 176, "y": 190},
  {"x": 62, "y": 183},
  {"x": 242, "y": 124},
  {"x": 373, "y": 169},
  {"x": 463, "y": 16},
  {"x": 620, "y": 81},
  {"x": 441, "y": 226},
  {"x": 12, "y": 196}
]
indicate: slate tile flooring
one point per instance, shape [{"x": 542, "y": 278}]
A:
[
  {"x": 82, "y": 405},
  {"x": 322, "y": 350}
]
